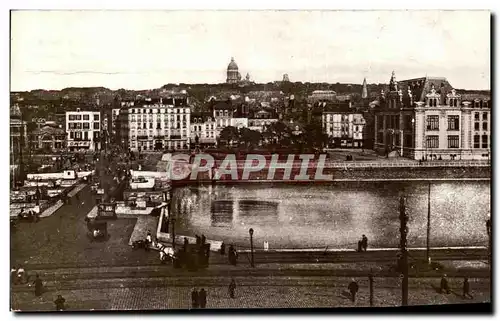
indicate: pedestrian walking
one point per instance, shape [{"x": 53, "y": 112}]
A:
[
  {"x": 232, "y": 288},
  {"x": 444, "y": 285},
  {"x": 13, "y": 274},
  {"x": 202, "y": 297},
  {"x": 364, "y": 242},
  {"x": 59, "y": 302},
  {"x": 21, "y": 275},
  {"x": 353, "y": 289},
  {"x": 194, "y": 298},
  {"x": 149, "y": 240},
  {"x": 223, "y": 249},
  {"x": 38, "y": 286},
  {"x": 466, "y": 292}
]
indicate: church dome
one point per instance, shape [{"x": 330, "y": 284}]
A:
[{"x": 232, "y": 65}]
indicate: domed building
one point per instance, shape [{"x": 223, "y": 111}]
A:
[{"x": 233, "y": 75}]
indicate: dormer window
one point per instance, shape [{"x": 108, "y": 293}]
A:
[{"x": 433, "y": 102}]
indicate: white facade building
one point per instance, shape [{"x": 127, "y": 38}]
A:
[
  {"x": 83, "y": 129},
  {"x": 156, "y": 124},
  {"x": 344, "y": 129}
]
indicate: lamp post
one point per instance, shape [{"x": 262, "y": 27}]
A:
[
  {"x": 488, "y": 230},
  {"x": 428, "y": 223},
  {"x": 250, "y": 231},
  {"x": 173, "y": 232}
]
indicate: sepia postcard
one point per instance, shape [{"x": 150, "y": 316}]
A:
[{"x": 235, "y": 160}]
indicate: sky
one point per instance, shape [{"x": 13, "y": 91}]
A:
[{"x": 147, "y": 49}]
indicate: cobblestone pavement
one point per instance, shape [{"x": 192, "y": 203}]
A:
[{"x": 253, "y": 293}]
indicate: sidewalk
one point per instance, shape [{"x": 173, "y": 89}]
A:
[
  {"x": 51, "y": 210},
  {"x": 253, "y": 293}
]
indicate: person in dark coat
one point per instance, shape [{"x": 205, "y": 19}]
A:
[
  {"x": 360, "y": 246},
  {"x": 364, "y": 242},
  {"x": 353, "y": 289},
  {"x": 466, "y": 289},
  {"x": 194, "y": 298},
  {"x": 198, "y": 240},
  {"x": 203, "y": 239},
  {"x": 59, "y": 302},
  {"x": 202, "y": 297},
  {"x": 223, "y": 249},
  {"x": 232, "y": 288},
  {"x": 444, "y": 285},
  {"x": 186, "y": 243},
  {"x": 38, "y": 286}
]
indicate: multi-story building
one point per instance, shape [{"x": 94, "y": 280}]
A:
[
  {"x": 223, "y": 113},
  {"x": 344, "y": 128},
  {"x": 47, "y": 137},
  {"x": 322, "y": 95},
  {"x": 18, "y": 133},
  {"x": 425, "y": 118},
  {"x": 156, "y": 124},
  {"x": 259, "y": 120},
  {"x": 203, "y": 129},
  {"x": 115, "y": 112},
  {"x": 83, "y": 130}
]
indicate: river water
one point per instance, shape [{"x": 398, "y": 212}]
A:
[{"x": 335, "y": 215}]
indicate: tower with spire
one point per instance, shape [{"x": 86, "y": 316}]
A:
[{"x": 364, "y": 91}]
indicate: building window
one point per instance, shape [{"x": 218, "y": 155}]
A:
[
  {"x": 78, "y": 117},
  {"x": 453, "y": 122},
  {"x": 407, "y": 122},
  {"x": 485, "y": 126},
  {"x": 476, "y": 116},
  {"x": 380, "y": 122},
  {"x": 96, "y": 116},
  {"x": 72, "y": 117},
  {"x": 476, "y": 126},
  {"x": 96, "y": 126},
  {"x": 485, "y": 116},
  {"x": 485, "y": 141},
  {"x": 86, "y": 126},
  {"x": 432, "y": 141},
  {"x": 476, "y": 141},
  {"x": 432, "y": 122},
  {"x": 85, "y": 135},
  {"x": 453, "y": 141},
  {"x": 71, "y": 135},
  {"x": 86, "y": 117},
  {"x": 408, "y": 141},
  {"x": 432, "y": 102}
]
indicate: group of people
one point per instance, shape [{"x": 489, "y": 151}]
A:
[
  {"x": 30, "y": 215},
  {"x": 19, "y": 276},
  {"x": 232, "y": 254},
  {"x": 363, "y": 244},
  {"x": 199, "y": 299},
  {"x": 445, "y": 287}
]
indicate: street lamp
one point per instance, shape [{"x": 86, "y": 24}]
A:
[
  {"x": 173, "y": 232},
  {"x": 488, "y": 230},
  {"x": 250, "y": 231}
]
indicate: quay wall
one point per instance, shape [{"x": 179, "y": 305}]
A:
[{"x": 350, "y": 174}]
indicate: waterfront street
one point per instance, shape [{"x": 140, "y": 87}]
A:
[{"x": 173, "y": 292}]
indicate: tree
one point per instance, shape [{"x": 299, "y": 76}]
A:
[
  {"x": 229, "y": 134},
  {"x": 250, "y": 137},
  {"x": 314, "y": 136},
  {"x": 277, "y": 132}
]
